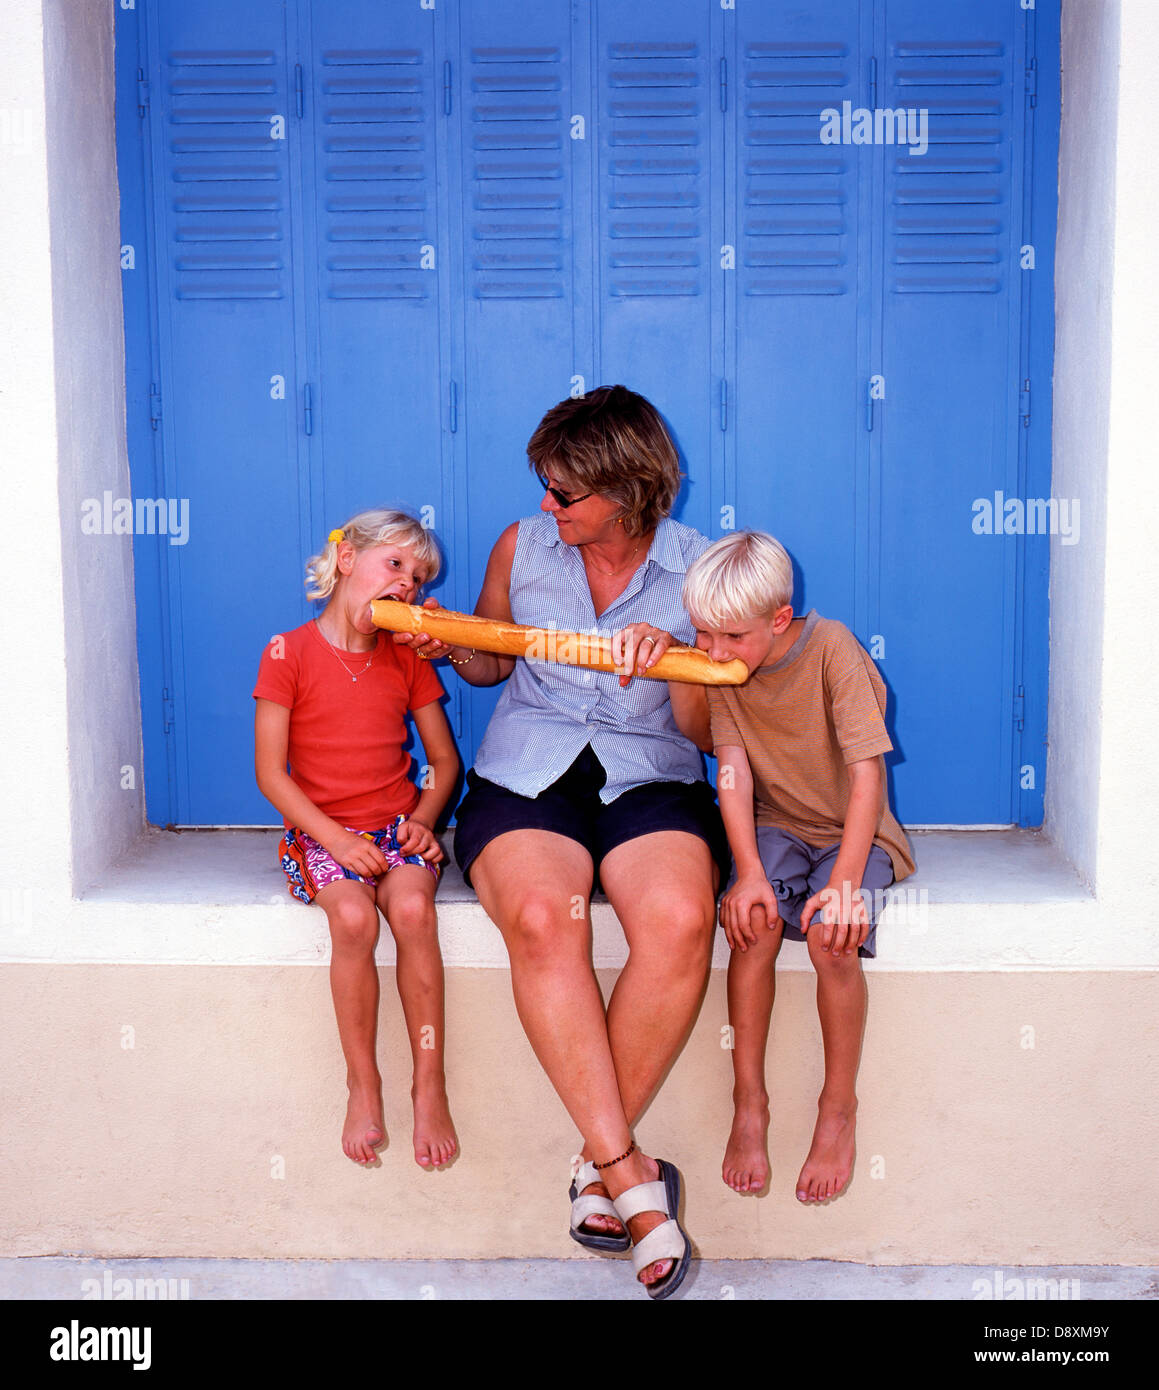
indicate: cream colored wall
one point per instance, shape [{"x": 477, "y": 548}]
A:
[{"x": 989, "y": 1150}]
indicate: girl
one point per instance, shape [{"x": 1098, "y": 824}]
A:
[{"x": 332, "y": 698}]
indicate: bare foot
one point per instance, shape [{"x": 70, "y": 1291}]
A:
[
  {"x": 746, "y": 1157},
  {"x": 434, "y": 1133},
  {"x": 363, "y": 1131},
  {"x": 829, "y": 1165}
]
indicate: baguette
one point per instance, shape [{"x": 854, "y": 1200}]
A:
[{"x": 688, "y": 664}]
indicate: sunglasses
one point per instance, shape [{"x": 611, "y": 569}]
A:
[{"x": 559, "y": 497}]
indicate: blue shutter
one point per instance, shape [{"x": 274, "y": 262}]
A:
[
  {"x": 377, "y": 300},
  {"x": 800, "y": 212},
  {"x": 658, "y": 226},
  {"x": 523, "y": 194},
  {"x": 949, "y": 427},
  {"x": 225, "y": 161},
  {"x": 478, "y": 208}
]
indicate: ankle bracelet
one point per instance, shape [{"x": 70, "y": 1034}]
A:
[{"x": 613, "y": 1161}]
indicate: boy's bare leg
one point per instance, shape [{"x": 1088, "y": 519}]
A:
[
  {"x": 751, "y": 989},
  {"x": 353, "y": 920},
  {"x": 841, "y": 1006},
  {"x": 406, "y": 896}
]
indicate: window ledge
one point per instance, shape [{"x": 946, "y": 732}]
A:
[{"x": 981, "y": 900}]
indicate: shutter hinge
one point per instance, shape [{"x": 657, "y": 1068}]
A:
[
  {"x": 723, "y": 404},
  {"x": 142, "y": 93},
  {"x": 167, "y": 709},
  {"x": 724, "y": 84},
  {"x": 299, "y": 99},
  {"x": 453, "y": 408},
  {"x": 873, "y": 84},
  {"x": 1019, "y": 708},
  {"x": 447, "y": 88},
  {"x": 1024, "y": 403},
  {"x": 308, "y": 408},
  {"x": 1032, "y": 82},
  {"x": 154, "y": 405}
]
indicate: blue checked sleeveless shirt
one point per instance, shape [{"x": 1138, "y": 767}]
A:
[{"x": 548, "y": 712}]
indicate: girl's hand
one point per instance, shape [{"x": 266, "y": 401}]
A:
[
  {"x": 358, "y": 854},
  {"x": 739, "y": 906},
  {"x": 637, "y": 647},
  {"x": 416, "y": 838}
]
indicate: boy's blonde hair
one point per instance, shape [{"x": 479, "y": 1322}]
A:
[
  {"x": 380, "y": 526},
  {"x": 746, "y": 574}
]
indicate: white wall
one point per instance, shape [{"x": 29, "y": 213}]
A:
[
  {"x": 1128, "y": 859},
  {"x": 104, "y": 718},
  {"x": 1083, "y": 271},
  {"x": 34, "y": 792},
  {"x": 1104, "y": 675}
]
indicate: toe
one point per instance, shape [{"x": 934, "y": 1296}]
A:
[{"x": 653, "y": 1273}]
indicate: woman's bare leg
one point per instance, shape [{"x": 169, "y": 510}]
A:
[
  {"x": 536, "y": 887},
  {"x": 661, "y": 889}
]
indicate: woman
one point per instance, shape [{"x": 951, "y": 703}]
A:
[{"x": 582, "y": 771}]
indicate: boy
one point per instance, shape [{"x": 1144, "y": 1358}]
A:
[{"x": 801, "y": 781}]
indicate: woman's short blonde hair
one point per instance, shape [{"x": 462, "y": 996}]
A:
[
  {"x": 380, "y": 526},
  {"x": 745, "y": 575},
  {"x": 611, "y": 441}
]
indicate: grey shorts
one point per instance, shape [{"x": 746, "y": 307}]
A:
[{"x": 797, "y": 871}]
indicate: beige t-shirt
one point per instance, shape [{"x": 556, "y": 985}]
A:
[{"x": 801, "y": 721}]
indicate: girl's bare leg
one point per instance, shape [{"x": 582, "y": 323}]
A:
[
  {"x": 353, "y": 919},
  {"x": 406, "y": 896}
]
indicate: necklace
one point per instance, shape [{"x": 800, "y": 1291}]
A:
[
  {"x": 618, "y": 568},
  {"x": 338, "y": 659}
]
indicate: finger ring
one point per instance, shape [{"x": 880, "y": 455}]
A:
[
  {"x": 647, "y": 639},
  {"x": 422, "y": 656}
]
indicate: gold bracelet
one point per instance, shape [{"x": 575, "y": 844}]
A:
[{"x": 465, "y": 660}]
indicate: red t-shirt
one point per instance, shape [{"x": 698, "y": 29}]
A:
[{"x": 346, "y": 736}]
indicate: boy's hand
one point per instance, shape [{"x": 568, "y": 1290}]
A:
[
  {"x": 737, "y": 909},
  {"x": 637, "y": 647},
  {"x": 843, "y": 921},
  {"x": 414, "y": 837},
  {"x": 357, "y": 853}
]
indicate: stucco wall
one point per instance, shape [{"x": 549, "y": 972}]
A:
[{"x": 105, "y": 762}]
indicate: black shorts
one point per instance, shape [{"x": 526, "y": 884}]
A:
[{"x": 571, "y": 806}]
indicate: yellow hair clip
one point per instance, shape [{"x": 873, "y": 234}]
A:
[{"x": 337, "y": 536}]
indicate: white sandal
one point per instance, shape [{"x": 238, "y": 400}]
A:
[
  {"x": 668, "y": 1241},
  {"x": 594, "y": 1205}
]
